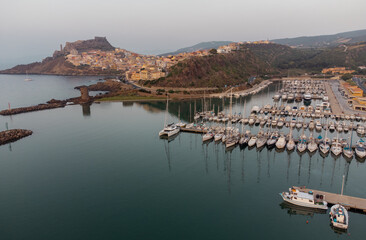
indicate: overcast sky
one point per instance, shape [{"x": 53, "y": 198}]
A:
[{"x": 32, "y": 29}]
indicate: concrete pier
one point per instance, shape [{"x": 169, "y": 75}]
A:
[{"x": 352, "y": 203}]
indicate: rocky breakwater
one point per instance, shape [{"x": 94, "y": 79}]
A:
[
  {"x": 49, "y": 105},
  {"x": 13, "y": 135}
]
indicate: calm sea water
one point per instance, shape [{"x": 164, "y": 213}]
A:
[
  {"x": 101, "y": 172},
  {"x": 20, "y": 93}
]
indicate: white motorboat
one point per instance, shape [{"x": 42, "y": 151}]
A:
[
  {"x": 304, "y": 199},
  {"x": 339, "y": 216}
]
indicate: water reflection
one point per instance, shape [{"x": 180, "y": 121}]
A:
[
  {"x": 298, "y": 210},
  {"x": 86, "y": 110}
]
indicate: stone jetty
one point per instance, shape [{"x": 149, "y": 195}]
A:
[
  {"x": 13, "y": 135},
  {"x": 50, "y": 105}
]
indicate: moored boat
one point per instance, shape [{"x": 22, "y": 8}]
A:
[
  {"x": 304, "y": 199},
  {"x": 339, "y": 216}
]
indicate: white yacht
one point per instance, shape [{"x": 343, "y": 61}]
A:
[
  {"x": 339, "y": 216},
  {"x": 304, "y": 199}
]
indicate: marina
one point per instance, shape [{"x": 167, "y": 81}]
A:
[{"x": 292, "y": 112}]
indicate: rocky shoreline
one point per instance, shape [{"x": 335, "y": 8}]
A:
[{"x": 13, "y": 135}]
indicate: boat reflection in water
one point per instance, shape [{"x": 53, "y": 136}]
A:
[{"x": 298, "y": 210}]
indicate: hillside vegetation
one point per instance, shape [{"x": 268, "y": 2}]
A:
[
  {"x": 267, "y": 60},
  {"x": 215, "y": 70}
]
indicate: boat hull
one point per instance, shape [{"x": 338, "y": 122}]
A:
[{"x": 322, "y": 207}]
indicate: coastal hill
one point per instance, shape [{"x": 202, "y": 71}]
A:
[
  {"x": 58, "y": 65},
  {"x": 260, "y": 60},
  {"x": 324, "y": 40},
  {"x": 215, "y": 70},
  {"x": 197, "y": 47}
]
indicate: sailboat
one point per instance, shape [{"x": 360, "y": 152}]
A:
[
  {"x": 27, "y": 78},
  {"x": 231, "y": 140},
  {"x": 180, "y": 124},
  {"x": 324, "y": 144},
  {"x": 171, "y": 129},
  {"x": 336, "y": 148},
  {"x": 360, "y": 149},
  {"x": 312, "y": 146},
  {"x": 243, "y": 142},
  {"x": 301, "y": 146},
  {"x": 281, "y": 142},
  {"x": 347, "y": 150},
  {"x": 291, "y": 143}
]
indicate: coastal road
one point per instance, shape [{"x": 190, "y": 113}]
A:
[{"x": 342, "y": 101}]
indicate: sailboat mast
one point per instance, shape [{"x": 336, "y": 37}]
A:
[{"x": 166, "y": 110}]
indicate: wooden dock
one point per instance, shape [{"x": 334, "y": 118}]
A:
[{"x": 351, "y": 203}]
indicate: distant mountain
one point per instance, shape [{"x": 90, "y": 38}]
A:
[
  {"x": 324, "y": 40},
  {"x": 58, "y": 65},
  {"x": 199, "y": 46}
]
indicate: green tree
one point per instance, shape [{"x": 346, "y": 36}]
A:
[
  {"x": 346, "y": 76},
  {"x": 213, "y": 51}
]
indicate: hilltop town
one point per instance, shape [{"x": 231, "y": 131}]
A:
[
  {"x": 136, "y": 66},
  {"x": 98, "y": 57}
]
